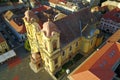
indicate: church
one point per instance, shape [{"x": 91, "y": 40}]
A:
[{"x": 59, "y": 41}]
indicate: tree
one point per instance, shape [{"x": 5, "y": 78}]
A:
[{"x": 27, "y": 45}]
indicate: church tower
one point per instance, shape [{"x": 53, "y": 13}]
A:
[
  {"x": 32, "y": 27},
  {"x": 50, "y": 49}
]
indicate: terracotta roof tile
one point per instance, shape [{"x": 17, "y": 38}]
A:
[
  {"x": 16, "y": 19},
  {"x": 41, "y": 8},
  {"x": 86, "y": 75},
  {"x": 112, "y": 15},
  {"x": 54, "y": 1},
  {"x": 91, "y": 63},
  {"x": 115, "y": 37},
  {"x": 19, "y": 28}
]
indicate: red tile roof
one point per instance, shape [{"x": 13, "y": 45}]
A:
[
  {"x": 115, "y": 37},
  {"x": 16, "y": 22},
  {"x": 41, "y": 8},
  {"x": 112, "y": 15},
  {"x": 92, "y": 67},
  {"x": 86, "y": 75},
  {"x": 54, "y": 1},
  {"x": 18, "y": 27}
]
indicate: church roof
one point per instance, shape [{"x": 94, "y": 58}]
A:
[{"x": 70, "y": 26}]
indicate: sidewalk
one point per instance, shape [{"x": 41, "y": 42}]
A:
[{"x": 73, "y": 67}]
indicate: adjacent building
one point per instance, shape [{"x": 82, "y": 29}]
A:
[
  {"x": 3, "y": 45},
  {"x": 104, "y": 64},
  {"x": 72, "y": 6},
  {"x": 53, "y": 14},
  {"x": 110, "y": 21},
  {"x": 112, "y": 4},
  {"x": 65, "y": 6},
  {"x": 16, "y": 24},
  {"x": 58, "y": 41}
]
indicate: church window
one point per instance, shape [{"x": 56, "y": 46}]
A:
[
  {"x": 70, "y": 48},
  {"x": 54, "y": 44},
  {"x": 76, "y": 44},
  {"x": 56, "y": 60},
  {"x": 63, "y": 53},
  {"x": 91, "y": 42}
]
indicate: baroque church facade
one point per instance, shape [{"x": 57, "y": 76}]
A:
[{"x": 59, "y": 41}]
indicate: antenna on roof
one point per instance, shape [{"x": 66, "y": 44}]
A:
[{"x": 84, "y": 27}]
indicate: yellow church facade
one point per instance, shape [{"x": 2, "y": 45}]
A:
[
  {"x": 54, "y": 59},
  {"x": 59, "y": 41}
]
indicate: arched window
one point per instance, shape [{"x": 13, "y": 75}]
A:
[{"x": 54, "y": 45}]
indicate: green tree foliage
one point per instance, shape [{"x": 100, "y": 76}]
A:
[{"x": 27, "y": 45}]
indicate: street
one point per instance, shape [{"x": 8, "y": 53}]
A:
[
  {"x": 22, "y": 71},
  {"x": 18, "y": 68}
]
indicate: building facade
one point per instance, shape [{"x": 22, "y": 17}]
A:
[
  {"x": 65, "y": 6},
  {"x": 110, "y": 21},
  {"x": 32, "y": 26},
  {"x": 3, "y": 45},
  {"x": 16, "y": 25},
  {"x": 111, "y": 4},
  {"x": 61, "y": 40}
]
